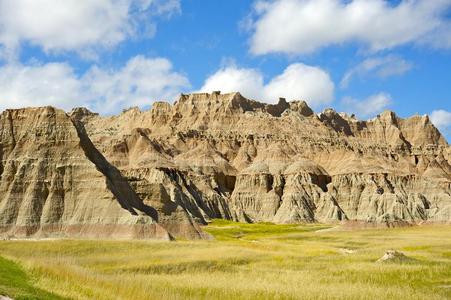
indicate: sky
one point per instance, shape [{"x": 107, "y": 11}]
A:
[{"x": 357, "y": 56}]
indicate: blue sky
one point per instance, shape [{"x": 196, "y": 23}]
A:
[{"x": 355, "y": 56}]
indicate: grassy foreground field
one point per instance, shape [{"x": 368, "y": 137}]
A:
[{"x": 246, "y": 261}]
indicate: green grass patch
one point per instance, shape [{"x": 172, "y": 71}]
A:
[
  {"x": 229, "y": 230},
  {"x": 15, "y": 283}
]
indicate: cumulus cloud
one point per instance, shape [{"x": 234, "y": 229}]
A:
[
  {"x": 248, "y": 82},
  {"x": 139, "y": 82},
  {"x": 382, "y": 67},
  {"x": 304, "y": 26},
  {"x": 370, "y": 106},
  {"x": 442, "y": 120},
  {"x": 298, "y": 81},
  {"x": 49, "y": 84},
  {"x": 75, "y": 25}
]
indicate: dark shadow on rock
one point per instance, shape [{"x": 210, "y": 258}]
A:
[
  {"x": 116, "y": 183},
  {"x": 332, "y": 119}
]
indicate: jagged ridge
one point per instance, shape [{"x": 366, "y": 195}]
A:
[{"x": 221, "y": 156}]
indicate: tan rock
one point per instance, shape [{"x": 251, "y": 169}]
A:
[
  {"x": 216, "y": 156},
  {"x": 394, "y": 256}
]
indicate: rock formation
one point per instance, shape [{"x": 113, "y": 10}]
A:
[
  {"x": 394, "y": 256},
  {"x": 162, "y": 172}
]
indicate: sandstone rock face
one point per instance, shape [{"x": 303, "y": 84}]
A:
[
  {"x": 54, "y": 182},
  {"x": 159, "y": 173}
]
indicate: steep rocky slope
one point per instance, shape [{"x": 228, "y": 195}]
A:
[
  {"x": 159, "y": 173},
  {"x": 54, "y": 182}
]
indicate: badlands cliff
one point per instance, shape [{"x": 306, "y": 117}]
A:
[{"x": 162, "y": 172}]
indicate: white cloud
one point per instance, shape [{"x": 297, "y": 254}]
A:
[
  {"x": 141, "y": 81},
  {"x": 304, "y": 26},
  {"x": 368, "y": 107},
  {"x": 382, "y": 67},
  {"x": 442, "y": 120},
  {"x": 440, "y": 39},
  {"x": 298, "y": 81},
  {"x": 248, "y": 82},
  {"x": 82, "y": 26},
  {"x": 138, "y": 83},
  {"x": 49, "y": 84}
]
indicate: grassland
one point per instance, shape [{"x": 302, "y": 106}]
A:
[{"x": 246, "y": 261}]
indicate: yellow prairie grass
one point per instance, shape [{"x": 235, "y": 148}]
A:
[{"x": 245, "y": 261}]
